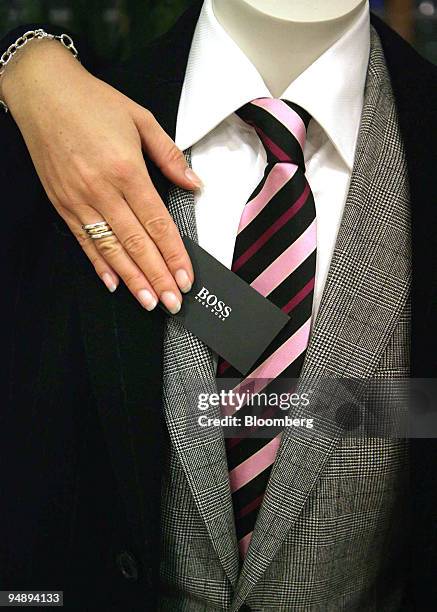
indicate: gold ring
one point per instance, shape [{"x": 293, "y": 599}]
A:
[{"x": 98, "y": 230}]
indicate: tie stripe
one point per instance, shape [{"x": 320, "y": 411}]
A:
[
  {"x": 305, "y": 292},
  {"x": 273, "y": 149},
  {"x": 256, "y": 463},
  {"x": 275, "y": 252},
  {"x": 291, "y": 120},
  {"x": 279, "y": 204},
  {"x": 241, "y": 453},
  {"x": 274, "y": 230},
  {"x": 275, "y": 136},
  {"x": 301, "y": 281},
  {"x": 286, "y": 262},
  {"x": 276, "y": 179},
  {"x": 243, "y": 544},
  {"x": 292, "y": 285},
  {"x": 284, "y": 356}
]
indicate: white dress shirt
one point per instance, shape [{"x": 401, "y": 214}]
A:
[{"x": 228, "y": 155}]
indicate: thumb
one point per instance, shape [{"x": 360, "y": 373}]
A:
[{"x": 161, "y": 149}]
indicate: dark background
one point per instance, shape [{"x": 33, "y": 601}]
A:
[{"x": 118, "y": 27}]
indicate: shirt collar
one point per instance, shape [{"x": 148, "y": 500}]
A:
[{"x": 220, "y": 78}]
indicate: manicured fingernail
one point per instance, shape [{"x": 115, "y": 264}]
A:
[
  {"x": 171, "y": 302},
  {"x": 192, "y": 176},
  {"x": 109, "y": 282},
  {"x": 146, "y": 298},
  {"x": 183, "y": 281}
]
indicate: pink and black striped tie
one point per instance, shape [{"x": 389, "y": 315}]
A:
[{"x": 275, "y": 252}]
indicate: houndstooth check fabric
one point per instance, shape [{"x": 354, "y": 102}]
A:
[{"x": 330, "y": 531}]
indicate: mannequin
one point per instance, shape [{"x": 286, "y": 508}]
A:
[{"x": 283, "y": 37}]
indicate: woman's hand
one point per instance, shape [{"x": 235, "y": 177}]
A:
[{"x": 86, "y": 140}]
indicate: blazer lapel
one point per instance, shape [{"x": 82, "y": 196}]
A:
[
  {"x": 189, "y": 369},
  {"x": 370, "y": 273},
  {"x": 366, "y": 289}
]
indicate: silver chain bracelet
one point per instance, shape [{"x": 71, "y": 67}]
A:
[{"x": 6, "y": 57}]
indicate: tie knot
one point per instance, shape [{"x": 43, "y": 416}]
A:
[{"x": 281, "y": 126}]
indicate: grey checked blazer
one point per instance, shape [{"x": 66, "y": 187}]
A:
[{"x": 329, "y": 535}]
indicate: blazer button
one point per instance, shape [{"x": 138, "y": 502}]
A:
[
  {"x": 127, "y": 565},
  {"x": 244, "y": 608}
]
